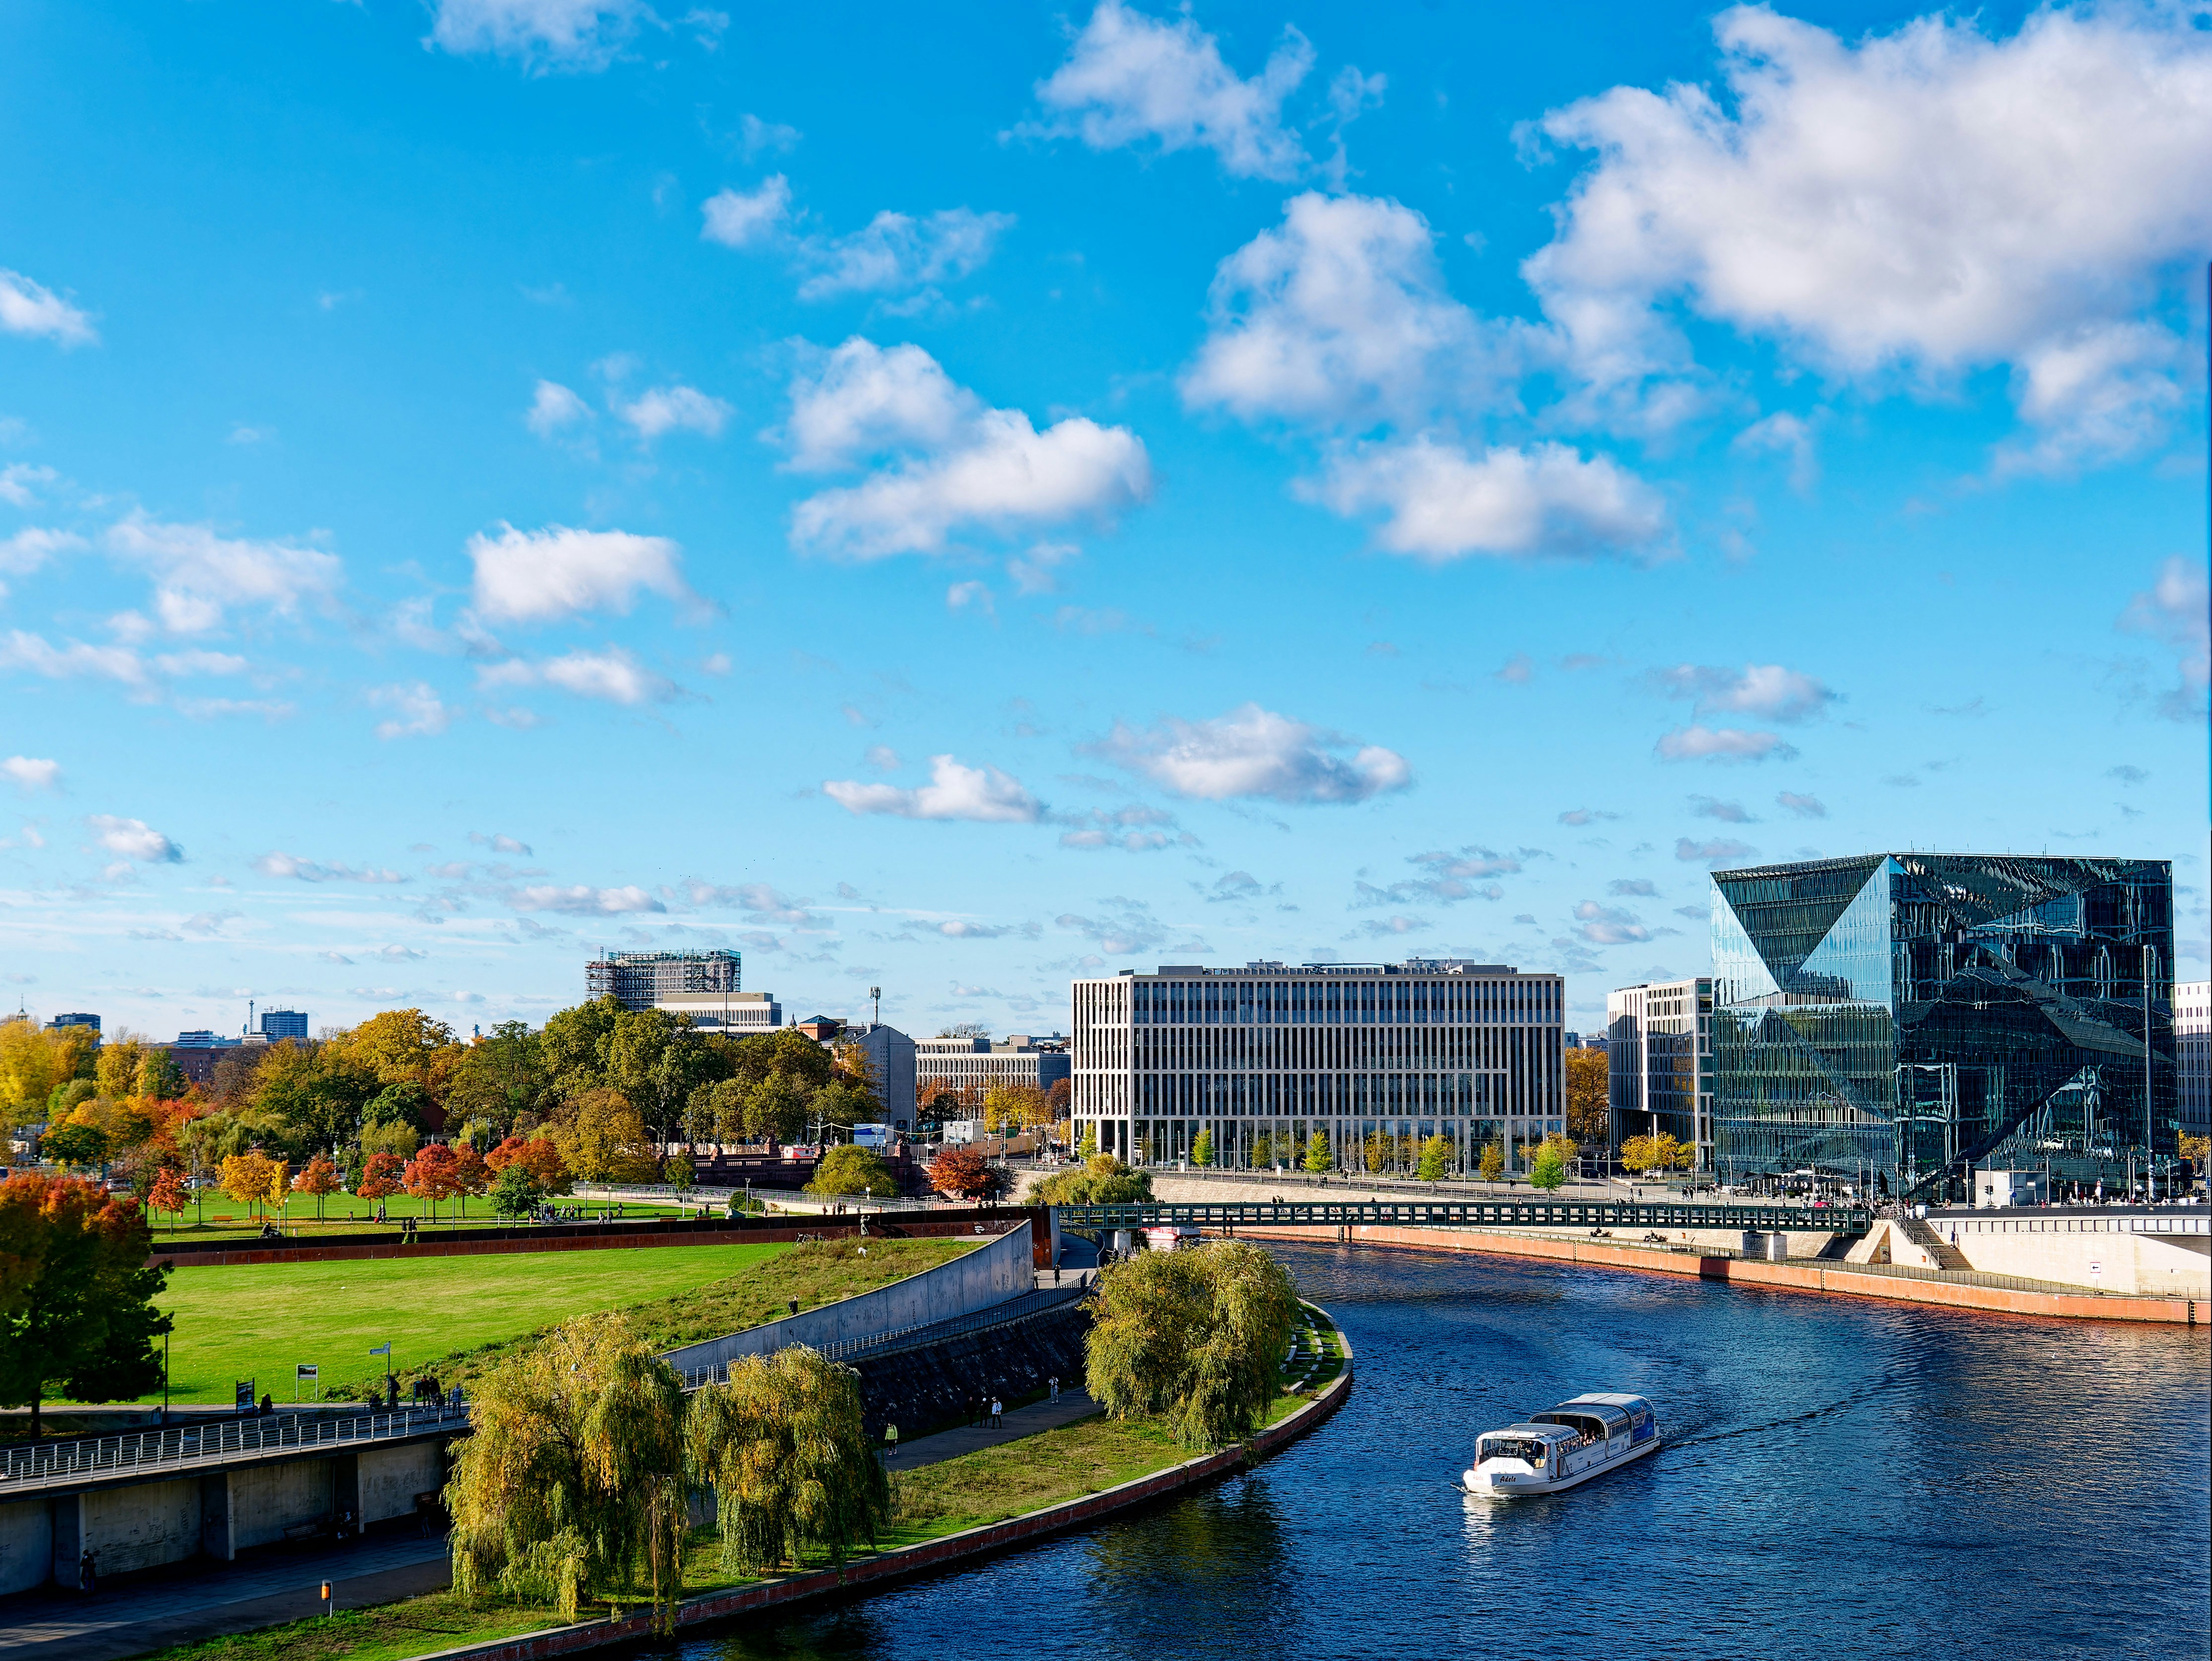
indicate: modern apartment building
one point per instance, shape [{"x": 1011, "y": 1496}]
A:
[
  {"x": 278, "y": 1024},
  {"x": 1016, "y": 1059},
  {"x": 1904, "y": 1016},
  {"x": 641, "y": 979},
  {"x": 2193, "y": 1045},
  {"x": 1660, "y": 1044},
  {"x": 1437, "y": 1047}
]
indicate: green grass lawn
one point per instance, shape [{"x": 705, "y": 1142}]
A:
[{"x": 219, "y": 1217}]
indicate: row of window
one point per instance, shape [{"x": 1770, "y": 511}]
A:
[{"x": 1354, "y": 1002}]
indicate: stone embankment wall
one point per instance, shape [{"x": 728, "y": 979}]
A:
[
  {"x": 2110, "y": 1251},
  {"x": 924, "y": 1390},
  {"x": 977, "y": 1279}
]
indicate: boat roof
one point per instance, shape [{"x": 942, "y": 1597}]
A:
[{"x": 1598, "y": 1398}]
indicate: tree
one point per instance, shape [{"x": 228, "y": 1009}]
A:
[
  {"x": 404, "y": 1103},
  {"x": 572, "y": 1049},
  {"x": 1375, "y": 1151},
  {"x": 605, "y": 1142},
  {"x": 1550, "y": 1170},
  {"x": 1088, "y": 1147},
  {"x": 472, "y": 1176},
  {"x": 516, "y": 1193},
  {"x": 431, "y": 1176},
  {"x": 35, "y": 1060},
  {"x": 75, "y": 1145},
  {"x": 783, "y": 1447},
  {"x": 393, "y": 1136},
  {"x": 537, "y": 1156},
  {"x": 319, "y": 1178},
  {"x": 499, "y": 1078},
  {"x": 76, "y": 1311},
  {"x": 1195, "y": 1337},
  {"x": 279, "y": 1194},
  {"x": 1263, "y": 1150},
  {"x": 1201, "y": 1151},
  {"x": 379, "y": 1176},
  {"x": 402, "y": 1046},
  {"x": 964, "y": 1174},
  {"x": 1493, "y": 1162},
  {"x": 1589, "y": 1097},
  {"x": 838, "y": 1106},
  {"x": 774, "y": 1109},
  {"x": 1656, "y": 1153},
  {"x": 572, "y": 1483},
  {"x": 1435, "y": 1160},
  {"x": 680, "y": 1171},
  {"x": 1012, "y": 1107},
  {"x": 160, "y": 1078},
  {"x": 169, "y": 1194},
  {"x": 1104, "y": 1180},
  {"x": 245, "y": 1178},
  {"x": 852, "y": 1169},
  {"x": 1062, "y": 1097},
  {"x": 1318, "y": 1158},
  {"x": 964, "y": 1030}
]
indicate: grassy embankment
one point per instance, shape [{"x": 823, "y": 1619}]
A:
[
  {"x": 457, "y": 1317},
  {"x": 989, "y": 1486},
  {"x": 218, "y": 1217}
]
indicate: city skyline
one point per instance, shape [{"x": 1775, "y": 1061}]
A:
[{"x": 967, "y": 511}]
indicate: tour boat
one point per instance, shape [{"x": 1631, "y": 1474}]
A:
[{"x": 1572, "y": 1442}]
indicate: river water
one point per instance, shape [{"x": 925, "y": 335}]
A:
[{"x": 1843, "y": 1478}]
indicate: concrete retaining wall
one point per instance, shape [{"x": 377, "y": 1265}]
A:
[
  {"x": 388, "y": 1479},
  {"x": 989, "y": 1274},
  {"x": 923, "y": 1390},
  {"x": 2092, "y": 1251},
  {"x": 27, "y": 1544}
]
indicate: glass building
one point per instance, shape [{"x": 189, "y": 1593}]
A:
[
  {"x": 1898, "y": 1018},
  {"x": 1369, "y": 1056}
]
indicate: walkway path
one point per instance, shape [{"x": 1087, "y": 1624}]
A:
[
  {"x": 1074, "y": 1404},
  {"x": 189, "y": 1602}
]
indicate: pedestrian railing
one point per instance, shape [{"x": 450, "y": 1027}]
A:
[{"x": 218, "y": 1441}]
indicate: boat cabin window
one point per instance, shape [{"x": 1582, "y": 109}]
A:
[{"x": 1510, "y": 1447}]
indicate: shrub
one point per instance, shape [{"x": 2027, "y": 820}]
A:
[
  {"x": 1104, "y": 1180},
  {"x": 850, "y": 1169}
]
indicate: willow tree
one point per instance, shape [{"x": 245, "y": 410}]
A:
[
  {"x": 572, "y": 1483},
  {"x": 1196, "y": 1338},
  {"x": 783, "y": 1446}
]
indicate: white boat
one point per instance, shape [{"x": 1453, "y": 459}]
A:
[{"x": 1572, "y": 1442}]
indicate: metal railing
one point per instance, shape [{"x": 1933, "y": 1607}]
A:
[
  {"x": 1473, "y": 1214},
  {"x": 923, "y": 1333},
  {"x": 218, "y": 1441}
]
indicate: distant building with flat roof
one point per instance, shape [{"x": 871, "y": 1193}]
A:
[
  {"x": 731, "y": 1014},
  {"x": 2193, "y": 1044},
  {"x": 76, "y": 1018},
  {"x": 639, "y": 980},
  {"x": 1660, "y": 1062},
  {"x": 278, "y": 1024}
]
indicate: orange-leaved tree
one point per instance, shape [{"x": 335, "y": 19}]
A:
[
  {"x": 536, "y": 1155},
  {"x": 169, "y": 1194},
  {"x": 379, "y": 1176},
  {"x": 471, "y": 1174},
  {"x": 964, "y": 1174},
  {"x": 430, "y": 1176},
  {"x": 319, "y": 1178},
  {"x": 76, "y": 1312}
]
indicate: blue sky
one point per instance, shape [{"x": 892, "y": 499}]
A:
[{"x": 957, "y": 498}]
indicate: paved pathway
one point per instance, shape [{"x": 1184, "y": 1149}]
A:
[
  {"x": 191, "y": 1601},
  {"x": 1074, "y": 1404}
]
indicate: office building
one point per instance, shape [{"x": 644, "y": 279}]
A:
[
  {"x": 74, "y": 1017},
  {"x": 278, "y": 1024},
  {"x": 1465, "y": 1050},
  {"x": 1902, "y": 1017},
  {"x": 731, "y": 1014},
  {"x": 1016, "y": 1059},
  {"x": 1660, "y": 1045},
  {"x": 2193, "y": 1044},
  {"x": 638, "y": 980},
  {"x": 890, "y": 1056}
]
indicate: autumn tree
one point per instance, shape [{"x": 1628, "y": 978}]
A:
[
  {"x": 538, "y": 1157},
  {"x": 431, "y": 1177},
  {"x": 1661, "y": 1151},
  {"x": 245, "y": 1178},
  {"x": 319, "y": 1178},
  {"x": 380, "y": 1175},
  {"x": 1104, "y": 1180},
  {"x": 78, "y": 1146},
  {"x": 499, "y": 1078},
  {"x": 1012, "y": 1107},
  {"x": 1201, "y": 1152},
  {"x": 606, "y": 1141},
  {"x": 35, "y": 1060},
  {"x": 1319, "y": 1159},
  {"x": 472, "y": 1176},
  {"x": 169, "y": 1194},
  {"x": 76, "y": 1312},
  {"x": 963, "y": 1174},
  {"x": 1493, "y": 1161},
  {"x": 1435, "y": 1160},
  {"x": 1589, "y": 1097}
]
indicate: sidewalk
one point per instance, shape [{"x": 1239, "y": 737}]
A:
[
  {"x": 1074, "y": 1404},
  {"x": 191, "y": 1601}
]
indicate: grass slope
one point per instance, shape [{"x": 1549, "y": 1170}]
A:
[{"x": 457, "y": 1316}]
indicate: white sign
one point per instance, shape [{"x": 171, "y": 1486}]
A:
[{"x": 2096, "y": 1270}]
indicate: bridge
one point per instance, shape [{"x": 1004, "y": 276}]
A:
[
  {"x": 95, "y": 1462},
  {"x": 1610, "y": 1214}
]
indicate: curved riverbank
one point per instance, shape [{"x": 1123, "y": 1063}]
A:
[
  {"x": 1834, "y": 1279},
  {"x": 893, "y": 1569}
]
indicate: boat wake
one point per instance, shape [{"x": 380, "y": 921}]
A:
[{"x": 1840, "y": 1405}]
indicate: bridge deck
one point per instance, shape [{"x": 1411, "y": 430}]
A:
[
  {"x": 1471, "y": 1213},
  {"x": 152, "y": 1455}
]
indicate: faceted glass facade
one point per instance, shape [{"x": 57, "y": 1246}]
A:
[{"x": 1907, "y": 1015}]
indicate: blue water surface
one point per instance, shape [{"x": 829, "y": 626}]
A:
[{"x": 1843, "y": 1478}]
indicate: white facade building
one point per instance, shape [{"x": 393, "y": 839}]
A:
[
  {"x": 1016, "y": 1059},
  {"x": 1661, "y": 1065},
  {"x": 2192, "y": 1054},
  {"x": 724, "y": 1015},
  {"x": 1465, "y": 1051}
]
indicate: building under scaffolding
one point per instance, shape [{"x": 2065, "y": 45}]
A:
[
  {"x": 637, "y": 979},
  {"x": 1897, "y": 1019}
]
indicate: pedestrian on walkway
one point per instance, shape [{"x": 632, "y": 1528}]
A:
[
  {"x": 996, "y": 1422},
  {"x": 87, "y": 1577},
  {"x": 890, "y": 1441},
  {"x": 1055, "y": 1387}
]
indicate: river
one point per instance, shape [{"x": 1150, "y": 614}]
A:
[{"x": 1843, "y": 1478}]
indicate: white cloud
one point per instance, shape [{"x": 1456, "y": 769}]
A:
[
  {"x": 1129, "y": 77},
  {"x": 1441, "y": 503},
  {"x": 949, "y": 461},
  {"x": 1783, "y": 434},
  {"x": 198, "y": 574},
  {"x": 761, "y": 901},
  {"x": 545, "y": 35},
  {"x": 982, "y": 794},
  {"x": 2177, "y": 610},
  {"x": 1805, "y": 807},
  {"x": 613, "y": 674},
  {"x": 1252, "y": 751},
  {"x": 1698, "y": 743},
  {"x": 1767, "y": 691},
  {"x": 1719, "y": 848},
  {"x": 1607, "y": 924},
  {"x": 201, "y": 663},
  {"x": 554, "y": 409},
  {"x": 133, "y": 839},
  {"x": 20, "y": 650},
  {"x": 1919, "y": 205},
  {"x": 292, "y": 866},
  {"x": 32, "y": 309},
  {"x": 747, "y": 219},
  {"x": 1728, "y": 812},
  {"x": 537, "y": 576},
  {"x": 417, "y": 710},
  {"x": 19, "y": 480},
  {"x": 899, "y": 251},
  {"x": 756, "y": 136},
  {"x": 1339, "y": 315},
  {"x": 30, "y": 548},
  {"x": 580, "y": 901},
  {"x": 669, "y": 409},
  {"x": 31, "y": 773}
]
